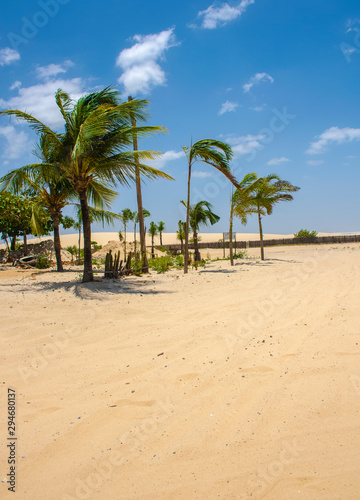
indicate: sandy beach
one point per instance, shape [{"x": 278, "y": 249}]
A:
[{"x": 231, "y": 383}]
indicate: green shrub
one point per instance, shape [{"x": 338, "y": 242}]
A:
[
  {"x": 42, "y": 262},
  {"x": 304, "y": 233},
  {"x": 241, "y": 254},
  {"x": 166, "y": 262}
]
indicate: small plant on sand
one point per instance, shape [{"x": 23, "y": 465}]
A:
[
  {"x": 305, "y": 233},
  {"x": 42, "y": 262},
  {"x": 241, "y": 254}
]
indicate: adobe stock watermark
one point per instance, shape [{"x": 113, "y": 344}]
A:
[
  {"x": 30, "y": 27},
  {"x": 43, "y": 355},
  {"x": 264, "y": 309},
  {"x": 275, "y": 469},
  {"x": 212, "y": 188},
  {"x": 103, "y": 471},
  {"x": 349, "y": 49}
]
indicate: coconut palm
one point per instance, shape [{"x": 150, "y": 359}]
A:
[
  {"x": 270, "y": 191},
  {"x": 180, "y": 234},
  {"x": 51, "y": 188},
  {"x": 161, "y": 228},
  {"x": 217, "y": 154},
  {"x": 200, "y": 214},
  {"x": 241, "y": 204},
  {"x": 92, "y": 152},
  {"x": 135, "y": 218},
  {"x": 153, "y": 231}
]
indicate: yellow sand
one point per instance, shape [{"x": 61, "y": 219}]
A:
[{"x": 230, "y": 383}]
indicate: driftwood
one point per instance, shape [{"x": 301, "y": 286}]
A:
[{"x": 113, "y": 266}]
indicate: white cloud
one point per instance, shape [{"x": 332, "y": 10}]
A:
[
  {"x": 333, "y": 135},
  {"x": 8, "y": 56},
  {"x": 201, "y": 175},
  {"x": 314, "y": 163},
  {"x": 18, "y": 142},
  {"x": 227, "y": 107},
  {"x": 259, "y": 108},
  {"x": 256, "y": 79},
  {"x": 214, "y": 17},
  {"x": 139, "y": 62},
  {"x": 15, "y": 85},
  {"x": 278, "y": 161},
  {"x": 245, "y": 144},
  {"x": 165, "y": 158},
  {"x": 46, "y": 72},
  {"x": 39, "y": 100}
]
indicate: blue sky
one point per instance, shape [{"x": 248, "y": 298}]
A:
[{"x": 278, "y": 80}]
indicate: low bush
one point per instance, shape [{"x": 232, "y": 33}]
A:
[
  {"x": 305, "y": 233},
  {"x": 42, "y": 262}
]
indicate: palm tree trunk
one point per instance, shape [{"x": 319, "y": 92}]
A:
[
  {"x": 57, "y": 243},
  {"x": 261, "y": 238},
  {"x": 197, "y": 256},
  {"x": 135, "y": 240},
  {"x": 181, "y": 245},
  {"x": 139, "y": 202},
  {"x": 124, "y": 242},
  {"x": 160, "y": 238},
  {"x": 25, "y": 244},
  {"x": 231, "y": 232},
  {"x": 186, "y": 256},
  {"x": 79, "y": 240},
  {"x": 152, "y": 247},
  {"x": 88, "y": 272},
  {"x": 13, "y": 243}
]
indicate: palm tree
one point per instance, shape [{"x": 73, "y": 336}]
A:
[
  {"x": 50, "y": 186},
  {"x": 181, "y": 234},
  {"x": 92, "y": 152},
  {"x": 270, "y": 190},
  {"x": 217, "y": 154},
  {"x": 135, "y": 218},
  {"x": 153, "y": 231},
  {"x": 241, "y": 204},
  {"x": 126, "y": 216},
  {"x": 161, "y": 228},
  {"x": 200, "y": 214}
]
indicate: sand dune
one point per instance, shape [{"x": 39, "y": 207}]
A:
[{"x": 231, "y": 383}]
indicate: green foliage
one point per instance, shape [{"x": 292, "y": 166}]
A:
[
  {"x": 95, "y": 246},
  {"x": 241, "y": 254},
  {"x": 166, "y": 262},
  {"x": 43, "y": 262},
  {"x": 305, "y": 233},
  {"x": 67, "y": 222}
]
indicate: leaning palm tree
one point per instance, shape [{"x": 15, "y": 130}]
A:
[
  {"x": 161, "y": 228},
  {"x": 200, "y": 214},
  {"x": 93, "y": 151},
  {"x": 52, "y": 189},
  {"x": 217, "y": 154},
  {"x": 180, "y": 234},
  {"x": 270, "y": 191},
  {"x": 241, "y": 204},
  {"x": 153, "y": 231}
]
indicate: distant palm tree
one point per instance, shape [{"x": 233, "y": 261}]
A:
[
  {"x": 200, "y": 214},
  {"x": 181, "y": 234},
  {"x": 136, "y": 220},
  {"x": 270, "y": 191},
  {"x": 161, "y": 228},
  {"x": 217, "y": 154},
  {"x": 153, "y": 231},
  {"x": 126, "y": 216},
  {"x": 93, "y": 151},
  {"x": 241, "y": 204}
]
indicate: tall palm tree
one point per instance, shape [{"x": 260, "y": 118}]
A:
[
  {"x": 217, "y": 154},
  {"x": 270, "y": 191},
  {"x": 161, "y": 228},
  {"x": 136, "y": 220},
  {"x": 153, "y": 231},
  {"x": 53, "y": 191},
  {"x": 181, "y": 234},
  {"x": 200, "y": 214},
  {"x": 241, "y": 204},
  {"x": 93, "y": 151}
]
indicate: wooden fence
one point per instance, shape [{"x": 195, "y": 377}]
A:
[{"x": 268, "y": 243}]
